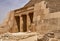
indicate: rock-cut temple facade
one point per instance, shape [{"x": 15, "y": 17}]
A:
[{"x": 36, "y": 16}]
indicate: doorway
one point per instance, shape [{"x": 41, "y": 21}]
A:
[
  {"x": 31, "y": 17},
  {"x": 32, "y": 26},
  {"x": 24, "y": 17},
  {"x": 18, "y": 22}
]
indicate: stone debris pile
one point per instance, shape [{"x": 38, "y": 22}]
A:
[
  {"x": 17, "y": 36},
  {"x": 53, "y": 36},
  {"x": 30, "y": 36}
]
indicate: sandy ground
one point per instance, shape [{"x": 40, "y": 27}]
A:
[{"x": 33, "y": 38}]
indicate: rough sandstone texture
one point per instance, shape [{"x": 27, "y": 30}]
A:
[
  {"x": 47, "y": 17},
  {"x": 18, "y": 37},
  {"x": 44, "y": 16}
]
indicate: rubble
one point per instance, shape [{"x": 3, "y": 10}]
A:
[
  {"x": 21, "y": 36},
  {"x": 51, "y": 36}
]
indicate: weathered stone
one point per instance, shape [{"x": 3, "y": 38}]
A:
[
  {"x": 18, "y": 36},
  {"x": 35, "y": 17}
]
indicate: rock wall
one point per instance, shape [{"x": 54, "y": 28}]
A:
[
  {"x": 53, "y": 5},
  {"x": 44, "y": 25},
  {"x": 40, "y": 12}
]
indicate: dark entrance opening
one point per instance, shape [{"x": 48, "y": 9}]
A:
[
  {"x": 31, "y": 17},
  {"x": 24, "y": 23},
  {"x": 18, "y": 22}
]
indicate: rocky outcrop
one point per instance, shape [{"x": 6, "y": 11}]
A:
[{"x": 8, "y": 23}]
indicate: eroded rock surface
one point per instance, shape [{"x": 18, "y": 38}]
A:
[{"x": 53, "y": 36}]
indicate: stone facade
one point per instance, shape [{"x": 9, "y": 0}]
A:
[{"x": 39, "y": 16}]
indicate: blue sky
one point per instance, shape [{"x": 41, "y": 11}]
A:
[{"x": 8, "y": 5}]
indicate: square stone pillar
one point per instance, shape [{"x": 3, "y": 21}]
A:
[
  {"x": 21, "y": 24},
  {"x": 28, "y": 23}
]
